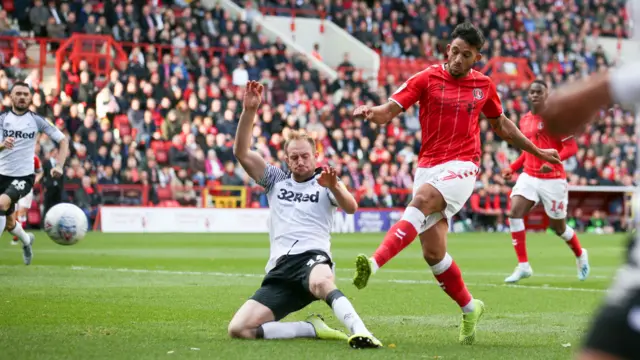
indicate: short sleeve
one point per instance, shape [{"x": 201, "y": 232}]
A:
[
  {"x": 272, "y": 175},
  {"x": 410, "y": 92},
  {"x": 48, "y": 128},
  {"x": 3, "y": 115},
  {"x": 493, "y": 107}
]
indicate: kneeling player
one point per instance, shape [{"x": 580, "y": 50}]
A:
[
  {"x": 300, "y": 269},
  {"x": 544, "y": 182},
  {"x": 24, "y": 204}
]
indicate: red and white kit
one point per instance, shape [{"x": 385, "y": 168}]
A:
[
  {"x": 550, "y": 188},
  {"x": 450, "y": 150}
]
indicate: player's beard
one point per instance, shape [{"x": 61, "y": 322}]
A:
[{"x": 17, "y": 107}]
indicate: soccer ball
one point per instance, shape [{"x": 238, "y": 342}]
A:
[{"x": 66, "y": 224}]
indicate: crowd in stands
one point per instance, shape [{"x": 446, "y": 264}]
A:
[{"x": 167, "y": 116}]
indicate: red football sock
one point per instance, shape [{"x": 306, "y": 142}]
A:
[
  {"x": 520, "y": 245},
  {"x": 397, "y": 238},
  {"x": 449, "y": 277},
  {"x": 575, "y": 246}
]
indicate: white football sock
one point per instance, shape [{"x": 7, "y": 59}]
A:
[
  {"x": 287, "y": 330},
  {"x": 344, "y": 311},
  {"x": 21, "y": 234},
  {"x": 374, "y": 265},
  {"x": 568, "y": 233}
]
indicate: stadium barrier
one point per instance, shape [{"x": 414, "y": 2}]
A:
[{"x": 116, "y": 219}]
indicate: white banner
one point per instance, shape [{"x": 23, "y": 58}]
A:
[
  {"x": 183, "y": 220},
  {"x": 114, "y": 219}
]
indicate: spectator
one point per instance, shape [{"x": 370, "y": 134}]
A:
[{"x": 182, "y": 189}]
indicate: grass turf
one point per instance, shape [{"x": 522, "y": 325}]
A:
[{"x": 147, "y": 296}]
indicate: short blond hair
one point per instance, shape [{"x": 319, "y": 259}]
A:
[{"x": 295, "y": 135}]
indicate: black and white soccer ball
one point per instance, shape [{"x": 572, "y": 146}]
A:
[{"x": 66, "y": 224}]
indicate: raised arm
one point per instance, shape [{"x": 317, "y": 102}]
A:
[{"x": 250, "y": 160}]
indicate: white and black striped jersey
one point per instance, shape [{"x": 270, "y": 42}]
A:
[
  {"x": 24, "y": 128},
  {"x": 301, "y": 214}
]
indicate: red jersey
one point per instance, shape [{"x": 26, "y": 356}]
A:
[
  {"x": 449, "y": 112},
  {"x": 532, "y": 127},
  {"x": 37, "y": 166}
]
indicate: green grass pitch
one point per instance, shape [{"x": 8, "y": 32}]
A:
[{"x": 146, "y": 296}]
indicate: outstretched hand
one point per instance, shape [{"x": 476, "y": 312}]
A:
[
  {"x": 363, "y": 112},
  {"x": 252, "y": 95},
  {"x": 328, "y": 178}
]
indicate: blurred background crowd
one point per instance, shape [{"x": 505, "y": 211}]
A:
[{"x": 166, "y": 118}]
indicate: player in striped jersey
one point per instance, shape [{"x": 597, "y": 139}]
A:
[
  {"x": 541, "y": 182},
  {"x": 24, "y": 204}
]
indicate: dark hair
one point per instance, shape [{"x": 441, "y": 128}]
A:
[
  {"x": 470, "y": 34},
  {"x": 20, "y": 83},
  {"x": 539, "y": 82}
]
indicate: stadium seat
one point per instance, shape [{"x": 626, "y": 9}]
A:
[
  {"x": 164, "y": 193},
  {"x": 34, "y": 217},
  {"x": 162, "y": 157},
  {"x": 157, "y": 145},
  {"x": 124, "y": 129}
]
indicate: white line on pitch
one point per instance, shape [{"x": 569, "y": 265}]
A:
[
  {"x": 395, "y": 281},
  {"x": 482, "y": 273}
]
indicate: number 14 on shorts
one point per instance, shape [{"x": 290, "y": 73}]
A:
[{"x": 557, "y": 205}]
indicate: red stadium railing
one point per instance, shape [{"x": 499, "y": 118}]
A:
[
  {"x": 33, "y": 53},
  {"x": 101, "y": 52}
]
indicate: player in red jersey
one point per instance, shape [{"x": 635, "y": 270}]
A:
[
  {"x": 451, "y": 98},
  {"x": 24, "y": 204},
  {"x": 541, "y": 182}
]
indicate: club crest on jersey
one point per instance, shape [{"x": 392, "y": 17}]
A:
[
  {"x": 540, "y": 125},
  {"x": 478, "y": 94}
]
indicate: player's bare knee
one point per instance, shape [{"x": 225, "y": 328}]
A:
[
  {"x": 321, "y": 286},
  {"x": 515, "y": 214},
  {"x": 11, "y": 223},
  {"x": 428, "y": 200},
  {"x": 433, "y": 256},
  {"x": 5, "y": 202},
  {"x": 238, "y": 330},
  {"x": 558, "y": 227}
]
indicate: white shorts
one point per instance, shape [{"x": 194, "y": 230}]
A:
[
  {"x": 454, "y": 179},
  {"x": 25, "y": 202},
  {"x": 554, "y": 194}
]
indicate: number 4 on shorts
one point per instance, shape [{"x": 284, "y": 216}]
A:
[{"x": 18, "y": 184}]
